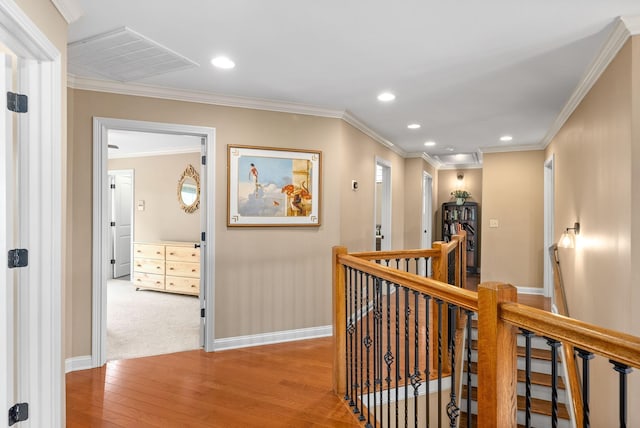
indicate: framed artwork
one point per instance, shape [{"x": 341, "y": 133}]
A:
[{"x": 273, "y": 187}]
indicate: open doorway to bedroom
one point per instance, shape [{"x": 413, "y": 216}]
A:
[{"x": 152, "y": 192}]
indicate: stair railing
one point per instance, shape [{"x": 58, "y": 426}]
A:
[{"x": 385, "y": 339}]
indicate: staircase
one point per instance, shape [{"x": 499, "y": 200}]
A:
[{"x": 540, "y": 385}]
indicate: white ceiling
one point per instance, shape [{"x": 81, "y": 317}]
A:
[{"x": 468, "y": 72}]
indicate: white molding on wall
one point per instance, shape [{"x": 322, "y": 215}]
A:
[
  {"x": 69, "y": 9},
  {"x": 385, "y": 398},
  {"x": 198, "y": 97},
  {"x": 78, "y": 363},
  {"x": 361, "y": 126},
  {"x": 607, "y": 53},
  {"x": 531, "y": 290},
  {"x": 271, "y": 338},
  {"x": 514, "y": 148},
  {"x": 632, "y": 23}
]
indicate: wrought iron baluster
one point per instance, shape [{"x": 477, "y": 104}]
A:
[
  {"x": 349, "y": 335},
  {"x": 427, "y": 369},
  {"x": 554, "y": 344},
  {"x": 469, "y": 342},
  {"x": 527, "y": 358},
  {"x": 388, "y": 357},
  {"x": 439, "y": 303},
  {"x": 356, "y": 340},
  {"x": 417, "y": 259},
  {"x": 367, "y": 345},
  {"x": 397, "y": 351},
  {"x": 624, "y": 370},
  {"x": 360, "y": 321},
  {"x": 416, "y": 380},
  {"x": 376, "y": 373},
  {"x": 398, "y": 264},
  {"x": 585, "y": 356},
  {"x": 407, "y": 315},
  {"x": 453, "y": 411}
]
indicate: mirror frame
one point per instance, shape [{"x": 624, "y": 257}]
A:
[{"x": 189, "y": 172}]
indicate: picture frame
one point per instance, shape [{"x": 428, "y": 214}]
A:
[{"x": 268, "y": 186}]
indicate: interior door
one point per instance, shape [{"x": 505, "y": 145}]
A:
[
  {"x": 427, "y": 217},
  {"x": 123, "y": 220},
  {"x": 203, "y": 244},
  {"x": 382, "y": 202}
]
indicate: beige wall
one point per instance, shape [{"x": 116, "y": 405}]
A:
[
  {"x": 512, "y": 194},
  {"x": 597, "y": 177},
  {"x": 267, "y": 279},
  {"x": 163, "y": 219}
]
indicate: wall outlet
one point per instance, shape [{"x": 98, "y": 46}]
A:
[
  {"x": 493, "y": 222},
  {"x": 354, "y": 185}
]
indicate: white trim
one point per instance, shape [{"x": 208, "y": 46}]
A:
[
  {"x": 361, "y": 126},
  {"x": 519, "y": 148},
  {"x": 460, "y": 166},
  {"x": 531, "y": 290},
  {"x": 381, "y": 398},
  {"x": 632, "y": 23},
  {"x": 386, "y": 219},
  {"x": 617, "y": 38},
  {"x": 271, "y": 338},
  {"x": 198, "y": 97},
  {"x": 167, "y": 152},
  {"x": 549, "y": 225},
  {"x": 74, "y": 364},
  {"x": 100, "y": 266},
  {"x": 69, "y": 9}
]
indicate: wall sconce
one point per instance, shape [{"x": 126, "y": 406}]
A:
[
  {"x": 460, "y": 179},
  {"x": 568, "y": 240}
]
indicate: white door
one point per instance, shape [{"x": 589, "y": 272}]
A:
[
  {"x": 427, "y": 216},
  {"x": 8, "y": 393},
  {"x": 383, "y": 205},
  {"x": 122, "y": 221}
]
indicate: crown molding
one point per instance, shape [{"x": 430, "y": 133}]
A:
[
  {"x": 358, "y": 124},
  {"x": 69, "y": 9},
  {"x": 460, "y": 166},
  {"x": 511, "y": 148},
  {"x": 150, "y": 91},
  {"x": 617, "y": 38},
  {"x": 425, "y": 157}
]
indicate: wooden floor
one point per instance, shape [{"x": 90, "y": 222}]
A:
[{"x": 283, "y": 385}]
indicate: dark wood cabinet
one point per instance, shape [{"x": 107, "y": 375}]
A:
[{"x": 463, "y": 217}]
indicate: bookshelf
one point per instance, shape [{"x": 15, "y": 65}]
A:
[{"x": 457, "y": 217}]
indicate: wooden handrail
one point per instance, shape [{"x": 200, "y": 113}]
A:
[
  {"x": 381, "y": 255},
  {"x": 462, "y": 298},
  {"x": 621, "y": 347}
]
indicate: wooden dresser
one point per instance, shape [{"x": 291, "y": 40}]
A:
[{"x": 173, "y": 267}]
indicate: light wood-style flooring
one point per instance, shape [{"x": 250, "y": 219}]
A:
[{"x": 283, "y": 385}]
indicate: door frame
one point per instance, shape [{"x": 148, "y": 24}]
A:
[
  {"x": 131, "y": 173},
  {"x": 385, "y": 221},
  {"x": 549, "y": 229},
  {"x": 101, "y": 127},
  {"x": 40, "y": 306},
  {"x": 426, "y": 238}
]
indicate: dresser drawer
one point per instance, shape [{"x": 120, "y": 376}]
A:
[
  {"x": 183, "y": 254},
  {"x": 148, "y": 251},
  {"x": 148, "y": 266},
  {"x": 183, "y": 285},
  {"x": 183, "y": 269},
  {"x": 148, "y": 280}
]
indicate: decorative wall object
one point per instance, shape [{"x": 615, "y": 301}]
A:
[{"x": 273, "y": 186}]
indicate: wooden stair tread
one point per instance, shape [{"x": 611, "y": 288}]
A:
[
  {"x": 541, "y": 379},
  {"x": 474, "y": 420},
  {"x": 538, "y": 406}
]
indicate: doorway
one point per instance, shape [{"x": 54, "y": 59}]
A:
[
  {"x": 382, "y": 201},
  {"x": 103, "y": 231},
  {"x": 427, "y": 218},
  {"x": 549, "y": 219}
]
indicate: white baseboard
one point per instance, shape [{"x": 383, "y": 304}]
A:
[
  {"x": 531, "y": 290},
  {"x": 78, "y": 363},
  {"x": 270, "y": 338}
]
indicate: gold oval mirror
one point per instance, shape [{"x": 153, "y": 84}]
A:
[{"x": 189, "y": 190}]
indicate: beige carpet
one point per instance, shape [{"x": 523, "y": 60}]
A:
[{"x": 143, "y": 323}]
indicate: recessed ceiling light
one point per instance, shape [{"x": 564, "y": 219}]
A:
[
  {"x": 223, "y": 62},
  {"x": 449, "y": 149},
  {"x": 386, "y": 96},
  {"x": 506, "y": 138},
  {"x": 414, "y": 126},
  {"x": 430, "y": 143}
]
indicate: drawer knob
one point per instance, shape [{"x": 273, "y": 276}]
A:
[
  {"x": 193, "y": 270},
  {"x": 170, "y": 268}
]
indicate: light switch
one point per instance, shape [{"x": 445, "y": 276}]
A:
[
  {"x": 141, "y": 205},
  {"x": 493, "y": 222}
]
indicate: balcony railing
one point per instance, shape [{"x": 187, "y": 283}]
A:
[{"x": 401, "y": 338}]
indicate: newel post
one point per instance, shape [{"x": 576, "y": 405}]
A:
[
  {"x": 441, "y": 263},
  {"x": 339, "y": 323},
  {"x": 497, "y": 358}
]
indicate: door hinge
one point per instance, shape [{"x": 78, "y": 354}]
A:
[
  {"x": 18, "y": 258},
  {"x": 113, "y": 261},
  {"x": 112, "y": 185},
  {"x": 203, "y": 236},
  {"x": 17, "y": 102},
  {"x": 201, "y": 312},
  {"x": 18, "y": 413},
  {"x": 204, "y": 160},
  {"x": 113, "y": 223}
]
